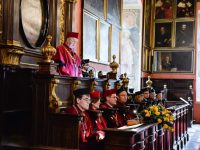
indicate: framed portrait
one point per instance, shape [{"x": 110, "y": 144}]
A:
[
  {"x": 104, "y": 42},
  {"x": 173, "y": 61},
  {"x": 114, "y": 11},
  {"x": 90, "y": 30},
  {"x": 163, "y": 34},
  {"x": 115, "y": 44},
  {"x": 146, "y": 20},
  {"x": 164, "y": 9},
  {"x": 185, "y": 34},
  {"x": 96, "y": 7},
  {"x": 185, "y": 8},
  {"x": 34, "y": 22}
]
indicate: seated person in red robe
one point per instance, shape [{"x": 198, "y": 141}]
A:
[
  {"x": 113, "y": 118},
  {"x": 82, "y": 102},
  {"x": 124, "y": 110},
  {"x": 98, "y": 121},
  {"x": 69, "y": 62}
]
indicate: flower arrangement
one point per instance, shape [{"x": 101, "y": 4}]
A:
[{"x": 159, "y": 114}]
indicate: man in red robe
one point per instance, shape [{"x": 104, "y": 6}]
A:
[
  {"x": 113, "y": 118},
  {"x": 69, "y": 62},
  {"x": 82, "y": 102}
]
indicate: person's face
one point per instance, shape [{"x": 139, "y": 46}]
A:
[
  {"x": 183, "y": 27},
  {"x": 146, "y": 94},
  {"x": 140, "y": 98},
  {"x": 85, "y": 66},
  {"x": 162, "y": 30},
  {"x": 84, "y": 102},
  {"x": 167, "y": 59},
  {"x": 159, "y": 96},
  {"x": 112, "y": 99},
  {"x": 71, "y": 43},
  {"x": 152, "y": 95},
  {"x": 122, "y": 97},
  {"x": 95, "y": 105}
]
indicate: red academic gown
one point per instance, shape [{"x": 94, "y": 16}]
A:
[
  {"x": 69, "y": 62},
  {"x": 99, "y": 123},
  {"x": 125, "y": 112},
  {"x": 113, "y": 119},
  {"x": 86, "y": 126}
]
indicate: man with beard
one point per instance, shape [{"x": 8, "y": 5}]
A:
[{"x": 69, "y": 62}]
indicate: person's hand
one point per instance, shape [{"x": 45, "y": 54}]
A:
[{"x": 100, "y": 135}]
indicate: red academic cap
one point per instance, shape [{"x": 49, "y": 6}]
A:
[
  {"x": 72, "y": 35},
  {"x": 109, "y": 92},
  {"x": 95, "y": 95}
]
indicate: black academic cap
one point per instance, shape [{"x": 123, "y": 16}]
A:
[
  {"x": 120, "y": 90},
  {"x": 85, "y": 61},
  {"x": 138, "y": 93},
  {"x": 145, "y": 89},
  {"x": 80, "y": 92},
  {"x": 158, "y": 91}
]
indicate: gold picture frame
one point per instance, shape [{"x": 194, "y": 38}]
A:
[
  {"x": 90, "y": 36},
  {"x": 104, "y": 42}
]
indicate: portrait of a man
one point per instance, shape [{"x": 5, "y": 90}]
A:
[
  {"x": 184, "y": 34},
  {"x": 163, "y": 35},
  {"x": 185, "y": 8}
]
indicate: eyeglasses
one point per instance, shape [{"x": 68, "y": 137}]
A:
[
  {"x": 113, "y": 97},
  {"x": 86, "y": 99}
]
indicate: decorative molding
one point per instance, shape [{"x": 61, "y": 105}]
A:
[
  {"x": 11, "y": 56},
  {"x": 11, "y": 43},
  {"x": 62, "y": 21}
]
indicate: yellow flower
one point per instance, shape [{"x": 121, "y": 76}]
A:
[
  {"x": 166, "y": 119},
  {"x": 165, "y": 126},
  {"x": 146, "y": 111},
  {"x": 157, "y": 113},
  {"x": 159, "y": 120},
  {"x": 167, "y": 115},
  {"x": 171, "y": 118},
  {"x": 147, "y": 114},
  {"x": 172, "y": 130}
]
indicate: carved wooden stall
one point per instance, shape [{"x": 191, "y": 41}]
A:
[{"x": 152, "y": 136}]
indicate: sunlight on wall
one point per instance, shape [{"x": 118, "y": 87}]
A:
[{"x": 131, "y": 43}]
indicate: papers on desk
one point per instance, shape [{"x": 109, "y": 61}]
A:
[{"x": 130, "y": 127}]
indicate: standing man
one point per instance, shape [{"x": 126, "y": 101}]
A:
[{"x": 69, "y": 62}]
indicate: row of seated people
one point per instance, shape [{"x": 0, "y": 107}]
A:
[{"x": 113, "y": 112}]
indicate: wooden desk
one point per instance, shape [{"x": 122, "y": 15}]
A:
[
  {"x": 152, "y": 136},
  {"x": 134, "y": 139}
]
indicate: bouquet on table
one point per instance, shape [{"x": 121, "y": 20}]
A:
[{"x": 159, "y": 114}]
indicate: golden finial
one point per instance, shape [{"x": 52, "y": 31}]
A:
[
  {"x": 149, "y": 82},
  {"x": 114, "y": 65},
  {"x": 125, "y": 80},
  {"x": 48, "y": 51}
]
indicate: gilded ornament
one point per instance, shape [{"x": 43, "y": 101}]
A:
[
  {"x": 114, "y": 65},
  {"x": 48, "y": 51},
  {"x": 54, "y": 100},
  {"x": 62, "y": 21},
  {"x": 149, "y": 82}
]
